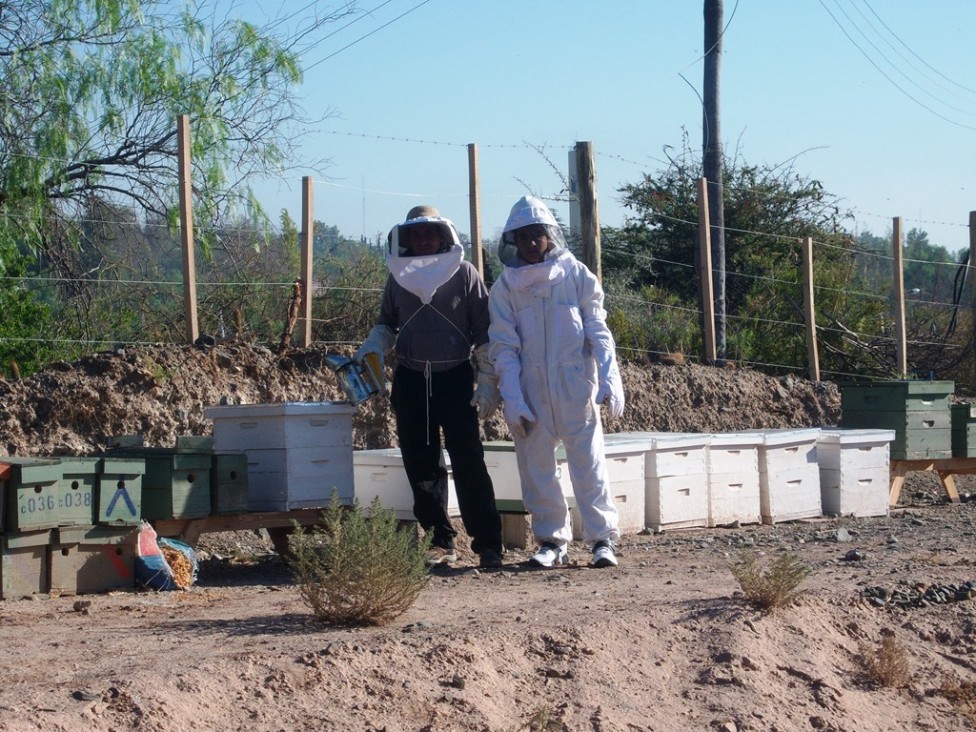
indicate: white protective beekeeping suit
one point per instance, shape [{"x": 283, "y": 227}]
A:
[{"x": 554, "y": 357}]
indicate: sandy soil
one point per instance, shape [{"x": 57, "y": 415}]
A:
[{"x": 664, "y": 642}]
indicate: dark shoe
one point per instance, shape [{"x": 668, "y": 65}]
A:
[
  {"x": 549, "y": 555},
  {"x": 490, "y": 559},
  {"x": 438, "y": 555}
]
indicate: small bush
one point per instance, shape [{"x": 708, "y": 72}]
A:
[
  {"x": 358, "y": 569},
  {"x": 886, "y": 664},
  {"x": 543, "y": 719},
  {"x": 772, "y": 587},
  {"x": 960, "y": 694}
]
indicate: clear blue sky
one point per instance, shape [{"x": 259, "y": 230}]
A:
[{"x": 885, "y": 118}]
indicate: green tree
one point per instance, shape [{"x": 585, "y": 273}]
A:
[
  {"x": 769, "y": 209},
  {"x": 26, "y": 319},
  {"x": 92, "y": 90}
]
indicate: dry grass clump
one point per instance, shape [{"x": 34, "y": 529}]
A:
[
  {"x": 885, "y": 664},
  {"x": 772, "y": 587},
  {"x": 543, "y": 719},
  {"x": 960, "y": 694},
  {"x": 358, "y": 569}
]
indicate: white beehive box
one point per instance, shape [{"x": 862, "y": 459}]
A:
[
  {"x": 733, "y": 478},
  {"x": 298, "y": 453},
  {"x": 789, "y": 475},
  {"x": 381, "y": 473},
  {"x": 675, "y": 479},
  {"x": 855, "y": 471}
]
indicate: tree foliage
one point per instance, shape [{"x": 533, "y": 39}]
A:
[
  {"x": 92, "y": 93},
  {"x": 769, "y": 209}
]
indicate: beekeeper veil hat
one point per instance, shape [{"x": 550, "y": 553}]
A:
[
  {"x": 528, "y": 211},
  {"x": 398, "y": 241}
]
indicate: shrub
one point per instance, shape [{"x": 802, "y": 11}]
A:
[
  {"x": 772, "y": 587},
  {"x": 358, "y": 569},
  {"x": 960, "y": 694},
  {"x": 886, "y": 664},
  {"x": 543, "y": 719}
]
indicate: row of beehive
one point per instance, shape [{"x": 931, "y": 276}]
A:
[
  {"x": 120, "y": 490},
  {"x": 68, "y": 525},
  {"x": 667, "y": 480},
  {"x": 659, "y": 479}
]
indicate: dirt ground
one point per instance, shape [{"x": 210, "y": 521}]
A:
[{"x": 664, "y": 642}]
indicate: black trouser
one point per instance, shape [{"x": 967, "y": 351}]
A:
[{"x": 420, "y": 419}]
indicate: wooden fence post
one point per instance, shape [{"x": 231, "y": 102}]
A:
[
  {"x": 186, "y": 229},
  {"x": 898, "y": 257},
  {"x": 307, "y": 242},
  {"x": 971, "y": 275},
  {"x": 810, "y": 310},
  {"x": 705, "y": 273},
  {"x": 589, "y": 210},
  {"x": 474, "y": 207}
]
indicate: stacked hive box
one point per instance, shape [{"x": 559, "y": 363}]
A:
[
  {"x": 30, "y": 495},
  {"x": 118, "y": 493},
  {"x": 298, "y": 453},
  {"x": 229, "y": 483},
  {"x": 733, "y": 478},
  {"x": 855, "y": 471},
  {"x": 675, "y": 477},
  {"x": 93, "y": 550},
  {"x": 380, "y": 474},
  {"x": 92, "y": 559},
  {"x": 52, "y": 540},
  {"x": 789, "y": 475},
  {"x": 676, "y": 481},
  {"x": 963, "y": 419},
  {"x": 917, "y": 411},
  {"x": 176, "y": 483}
]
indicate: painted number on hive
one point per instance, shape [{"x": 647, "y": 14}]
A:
[{"x": 37, "y": 504}]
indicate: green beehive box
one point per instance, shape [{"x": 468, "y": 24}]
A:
[
  {"x": 6, "y": 470},
  {"x": 228, "y": 483},
  {"x": 32, "y": 494},
  {"x": 963, "y": 430},
  {"x": 24, "y": 564},
  {"x": 92, "y": 559},
  {"x": 76, "y": 490},
  {"x": 176, "y": 484},
  {"x": 194, "y": 443},
  {"x": 918, "y": 412},
  {"x": 119, "y": 491}
]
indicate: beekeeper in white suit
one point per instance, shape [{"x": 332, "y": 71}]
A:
[{"x": 554, "y": 358}]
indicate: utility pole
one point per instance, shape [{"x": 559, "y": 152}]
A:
[{"x": 712, "y": 164}]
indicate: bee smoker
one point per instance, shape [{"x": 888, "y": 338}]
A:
[{"x": 359, "y": 380}]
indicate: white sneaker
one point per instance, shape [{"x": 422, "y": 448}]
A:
[
  {"x": 549, "y": 554},
  {"x": 603, "y": 555}
]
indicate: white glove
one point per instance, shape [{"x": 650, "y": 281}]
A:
[
  {"x": 611, "y": 390},
  {"x": 518, "y": 417},
  {"x": 486, "y": 396},
  {"x": 380, "y": 341}
]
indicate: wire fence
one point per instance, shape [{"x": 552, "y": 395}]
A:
[{"x": 126, "y": 290}]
